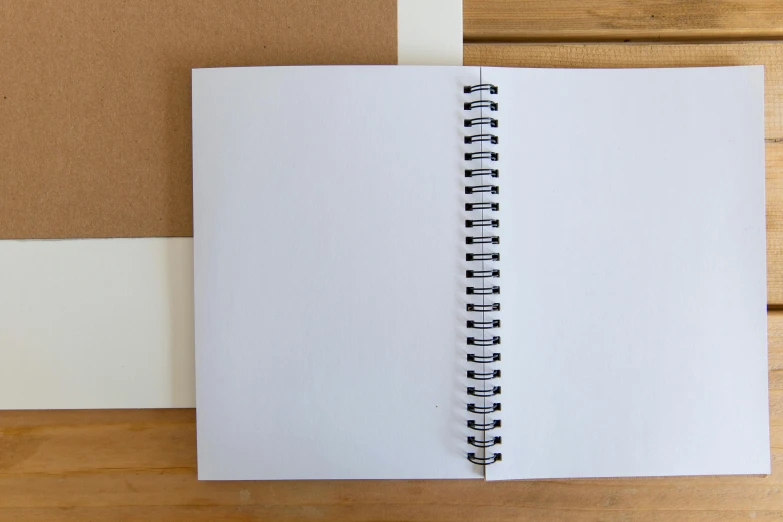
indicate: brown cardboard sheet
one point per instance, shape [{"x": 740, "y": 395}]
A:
[{"x": 95, "y": 122}]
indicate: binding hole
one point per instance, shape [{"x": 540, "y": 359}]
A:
[
  {"x": 492, "y": 256},
  {"x": 481, "y": 104},
  {"x": 472, "y": 408},
  {"x": 492, "y": 307},
  {"x": 478, "y": 138},
  {"x": 494, "y": 341},
  {"x": 482, "y": 290},
  {"x": 483, "y": 376},
  {"x": 486, "y": 443},
  {"x": 482, "y": 274},
  {"x": 481, "y": 189},
  {"x": 482, "y": 206},
  {"x": 471, "y": 122},
  {"x": 470, "y": 223},
  {"x": 493, "y": 89},
  {"x": 484, "y": 325},
  {"x": 482, "y": 155},
  {"x": 483, "y": 359},
  {"x": 477, "y": 240},
  {"x": 474, "y": 173},
  {"x": 491, "y": 425},
  {"x": 484, "y": 392},
  {"x": 485, "y": 461}
]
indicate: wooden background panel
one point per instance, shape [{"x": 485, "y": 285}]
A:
[
  {"x": 621, "y": 20},
  {"x": 620, "y": 55},
  {"x": 141, "y": 465}
]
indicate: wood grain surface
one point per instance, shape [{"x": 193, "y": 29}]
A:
[
  {"x": 621, "y": 20},
  {"x": 679, "y": 55},
  {"x": 141, "y": 465}
]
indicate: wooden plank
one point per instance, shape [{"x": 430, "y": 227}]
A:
[
  {"x": 141, "y": 465},
  {"x": 642, "y": 55},
  {"x": 621, "y": 20}
]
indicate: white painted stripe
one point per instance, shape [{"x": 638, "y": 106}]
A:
[
  {"x": 429, "y": 32},
  {"x": 96, "y": 323}
]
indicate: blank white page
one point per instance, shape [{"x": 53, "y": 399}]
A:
[
  {"x": 328, "y": 279},
  {"x": 633, "y": 272}
]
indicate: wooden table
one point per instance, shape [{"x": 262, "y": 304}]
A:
[{"x": 141, "y": 464}]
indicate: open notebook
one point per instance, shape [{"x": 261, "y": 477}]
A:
[{"x": 466, "y": 272}]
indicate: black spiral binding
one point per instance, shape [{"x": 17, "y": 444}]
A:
[{"x": 481, "y": 226}]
